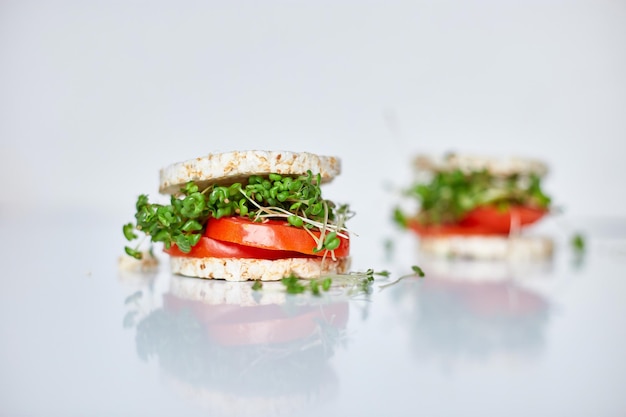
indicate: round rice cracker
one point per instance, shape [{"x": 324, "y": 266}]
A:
[
  {"x": 237, "y": 166},
  {"x": 527, "y": 248},
  {"x": 501, "y": 167},
  {"x": 239, "y": 269}
]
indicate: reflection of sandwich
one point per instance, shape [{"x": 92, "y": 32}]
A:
[
  {"x": 477, "y": 207},
  {"x": 241, "y": 352},
  {"x": 470, "y": 309},
  {"x": 248, "y": 215}
]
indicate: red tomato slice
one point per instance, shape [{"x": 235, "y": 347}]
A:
[
  {"x": 449, "y": 229},
  {"x": 501, "y": 221},
  {"x": 487, "y": 220},
  {"x": 270, "y": 234},
  {"x": 211, "y": 248}
]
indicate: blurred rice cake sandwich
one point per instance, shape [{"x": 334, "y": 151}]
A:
[{"x": 477, "y": 207}]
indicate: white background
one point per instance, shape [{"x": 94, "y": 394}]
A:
[{"x": 96, "y": 97}]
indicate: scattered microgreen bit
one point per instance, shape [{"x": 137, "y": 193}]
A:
[
  {"x": 129, "y": 233},
  {"x": 578, "y": 243},
  {"x": 353, "y": 282},
  {"x": 293, "y": 285},
  {"x": 133, "y": 252},
  {"x": 399, "y": 218},
  {"x": 416, "y": 271},
  {"x": 315, "y": 287},
  {"x": 257, "y": 286}
]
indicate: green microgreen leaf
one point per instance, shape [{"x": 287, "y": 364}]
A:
[
  {"x": 191, "y": 226},
  {"x": 193, "y": 206},
  {"x": 257, "y": 286},
  {"x": 190, "y": 188},
  {"x": 194, "y": 239},
  {"x": 142, "y": 201},
  {"x": 326, "y": 283},
  {"x": 183, "y": 243},
  {"x": 293, "y": 285},
  {"x": 133, "y": 252},
  {"x": 295, "y": 221},
  {"x": 399, "y": 218},
  {"x": 315, "y": 287},
  {"x": 129, "y": 233},
  {"x": 331, "y": 241},
  {"x": 418, "y": 270}
]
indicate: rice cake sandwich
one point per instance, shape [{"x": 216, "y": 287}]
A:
[
  {"x": 478, "y": 207},
  {"x": 247, "y": 215}
]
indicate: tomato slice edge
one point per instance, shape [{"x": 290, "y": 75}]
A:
[
  {"x": 269, "y": 234},
  {"x": 213, "y": 248},
  {"x": 484, "y": 220}
]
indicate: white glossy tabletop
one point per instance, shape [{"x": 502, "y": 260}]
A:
[{"x": 81, "y": 338}]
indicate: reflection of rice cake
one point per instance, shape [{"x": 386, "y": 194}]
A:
[
  {"x": 491, "y": 321},
  {"x": 489, "y": 247},
  {"x": 479, "y": 207},
  {"x": 226, "y": 292},
  {"x": 480, "y": 270},
  {"x": 470, "y": 309},
  {"x": 239, "y": 353}
]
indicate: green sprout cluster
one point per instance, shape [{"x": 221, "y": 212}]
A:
[
  {"x": 298, "y": 200},
  {"x": 451, "y": 194}
]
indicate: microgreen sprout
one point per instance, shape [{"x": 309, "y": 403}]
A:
[
  {"x": 417, "y": 271},
  {"x": 293, "y": 284},
  {"x": 296, "y": 285},
  {"x": 400, "y": 218}
]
